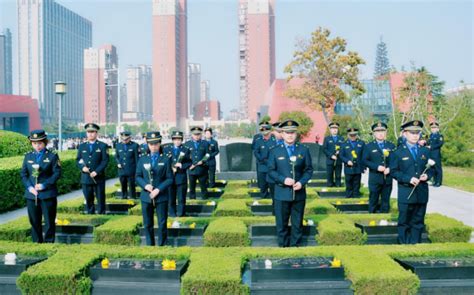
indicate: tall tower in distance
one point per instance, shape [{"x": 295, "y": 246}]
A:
[
  {"x": 256, "y": 53},
  {"x": 170, "y": 53}
]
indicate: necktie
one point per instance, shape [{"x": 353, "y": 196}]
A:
[
  {"x": 291, "y": 150},
  {"x": 196, "y": 144},
  {"x": 414, "y": 152},
  {"x": 353, "y": 144},
  {"x": 38, "y": 156},
  {"x": 175, "y": 151},
  {"x": 90, "y": 147},
  {"x": 154, "y": 157},
  {"x": 381, "y": 145},
  {"x": 125, "y": 147}
]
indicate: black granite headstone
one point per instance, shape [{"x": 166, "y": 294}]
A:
[
  {"x": 182, "y": 236},
  {"x": 265, "y": 235},
  {"x": 239, "y": 156},
  {"x": 331, "y": 194},
  {"x": 426, "y": 268},
  {"x": 11, "y": 270},
  {"x": 352, "y": 208},
  {"x": 74, "y": 233},
  {"x": 261, "y": 209},
  {"x": 199, "y": 210}
]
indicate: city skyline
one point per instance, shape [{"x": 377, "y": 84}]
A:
[{"x": 410, "y": 40}]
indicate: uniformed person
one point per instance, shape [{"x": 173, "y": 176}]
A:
[
  {"x": 144, "y": 147},
  {"x": 199, "y": 154},
  {"x": 126, "y": 155},
  {"x": 154, "y": 175},
  {"x": 214, "y": 151},
  {"x": 258, "y": 134},
  {"x": 401, "y": 139},
  {"x": 435, "y": 142},
  {"x": 351, "y": 155},
  {"x": 276, "y": 132},
  {"x": 180, "y": 162},
  {"x": 376, "y": 156},
  {"x": 408, "y": 166},
  {"x": 290, "y": 166},
  {"x": 92, "y": 158},
  {"x": 40, "y": 172},
  {"x": 331, "y": 148},
  {"x": 263, "y": 145}
]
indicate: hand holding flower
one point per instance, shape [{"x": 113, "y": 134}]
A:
[{"x": 297, "y": 186}]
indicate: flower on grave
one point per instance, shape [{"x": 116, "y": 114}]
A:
[
  {"x": 168, "y": 224},
  {"x": 305, "y": 223},
  {"x": 268, "y": 264},
  {"x": 255, "y": 190},
  {"x": 59, "y": 221},
  {"x": 354, "y": 154},
  {"x": 211, "y": 203},
  {"x": 175, "y": 224},
  {"x": 119, "y": 190},
  {"x": 383, "y": 222},
  {"x": 361, "y": 202},
  {"x": 386, "y": 152},
  {"x": 10, "y": 259},
  {"x": 324, "y": 190},
  {"x": 168, "y": 264},
  {"x": 310, "y": 222},
  {"x": 105, "y": 263},
  {"x": 372, "y": 223},
  {"x": 338, "y": 202},
  {"x": 335, "y": 262},
  {"x": 255, "y": 203},
  {"x": 66, "y": 222},
  {"x": 192, "y": 225},
  {"x": 130, "y": 202}
]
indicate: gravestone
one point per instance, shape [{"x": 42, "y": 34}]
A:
[
  {"x": 75, "y": 233},
  {"x": 182, "y": 236},
  {"x": 318, "y": 160},
  {"x": 383, "y": 232},
  {"x": 11, "y": 270},
  {"x": 130, "y": 276},
  {"x": 236, "y": 162},
  {"x": 261, "y": 209},
  {"x": 265, "y": 235},
  {"x": 199, "y": 210},
  {"x": 331, "y": 194},
  {"x": 352, "y": 208},
  {"x": 305, "y": 275}
]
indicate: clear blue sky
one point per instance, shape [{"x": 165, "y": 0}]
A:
[{"x": 434, "y": 34}]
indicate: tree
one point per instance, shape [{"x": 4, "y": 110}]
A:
[
  {"x": 382, "y": 64},
  {"x": 323, "y": 65},
  {"x": 302, "y": 118}
]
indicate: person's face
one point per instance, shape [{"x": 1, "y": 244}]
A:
[
  {"x": 380, "y": 135},
  {"x": 333, "y": 131},
  {"x": 91, "y": 135},
  {"x": 289, "y": 137},
  {"x": 277, "y": 134},
  {"x": 196, "y": 137},
  {"x": 352, "y": 137},
  {"x": 412, "y": 136},
  {"x": 177, "y": 141},
  {"x": 208, "y": 135},
  {"x": 126, "y": 140},
  {"x": 434, "y": 129},
  {"x": 38, "y": 145},
  {"x": 154, "y": 147}
]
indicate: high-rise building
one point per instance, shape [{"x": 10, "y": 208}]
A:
[
  {"x": 139, "y": 91},
  {"x": 101, "y": 84},
  {"x": 170, "y": 103},
  {"x": 6, "y": 62},
  {"x": 205, "y": 90},
  {"x": 194, "y": 86},
  {"x": 51, "y": 43},
  {"x": 256, "y": 53}
]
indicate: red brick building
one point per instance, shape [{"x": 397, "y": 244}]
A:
[{"x": 19, "y": 113}]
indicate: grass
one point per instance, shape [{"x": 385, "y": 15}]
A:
[{"x": 460, "y": 178}]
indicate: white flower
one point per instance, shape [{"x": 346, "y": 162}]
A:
[
  {"x": 35, "y": 166},
  {"x": 268, "y": 264},
  {"x": 310, "y": 222},
  {"x": 181, "y": 154},
  {"x": 81, "y": 161},
  {"x": 207, "y": 155},
  {"x": 175, "y": 224},
  {"x": 147, "y": 166},
  {"x": 10, "y": 259},
  {"x": 324, "y": 190},
  {"x": 213, "y": 203},
  {"x": 383, "y": 222},
  {"x": 293, "y": 159},
  {"x": 255, "y": 203},
  {"x": 430, "y": 163}
]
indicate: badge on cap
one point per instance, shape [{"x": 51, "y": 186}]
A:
[
  {"x": 290, "y": 123},
  {"x": 35, "y": 135},
  {"x": 153, "y": 135},
  {"x": 379, "y": 124},
  {"x": 415, "y": 123}
]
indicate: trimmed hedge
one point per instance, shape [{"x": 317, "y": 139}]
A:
[
  {"x": 232, "y": 207},
  {"x": 442, "y": 229},
  {"x": 339, "y": 230},
  {"x": 12, "y": 190},
  {"x": 226, "y": 232},
  {"x": 13, "y": 144}
]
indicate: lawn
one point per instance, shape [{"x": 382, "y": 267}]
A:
[{"x": 460, "y": 178}]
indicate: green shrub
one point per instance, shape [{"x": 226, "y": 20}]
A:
[
  {"x": 13, "y": 144},
  {"x": 232, "y": 207},
  {"x": 226, "y": 232},
  {"x": 338, "y": 229},
  {"x": 238, "y": 193},
  {"x": 442, "y": 229},
  {"x": 12, "y": 189},
  {"x": 121, "y": 231}
]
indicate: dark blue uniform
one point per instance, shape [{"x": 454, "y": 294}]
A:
[
  {"x": 287, "y": 201},
  {"x": 380, "y": 185},
  {"x": 49, "y": 171},
  {"x": 144, "y": 149},
  {"x": 179, "y": 187},
  {"x": 96, "y": 158},
  {"x": 197, "y": 151},
  {"x": 333, "y": 168},
  {"x": 352, "y": 173},
  {"x": 127, "y": 155},
  {"x": 403, "y": 166},
  {"x": 401, "y": 141},
  {"x": 270, "y": 181},
  {"x": 161, "y": 178},
  {"x": 436, "y": 142},
  {"x": 261, "y": 151},
  {"x": 211, "y": 163}
]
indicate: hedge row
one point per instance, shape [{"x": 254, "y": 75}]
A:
[
  {"x": 370, "y": 269},
  {"x": 13, "y": 144},
  {"x": 12, "y": 189}
]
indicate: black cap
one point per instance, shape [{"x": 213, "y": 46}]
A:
[
  {"x": 177, "y": 134},
  {"x": 208, "y": 129},
  {"x": 352, "y": 131},
  {"x": 289, "y": 126},
  {"x": 92, "y": 127},
  {"x": 434, "y": 124},
  {"x": 334, "y": 125},
  {"x": 125, "y": 134},
  {"x": 379, "y": 126},
  {"x": 264, "y": 123},
  {"x": 153, "y": 137},
  {"x": 37, "y": 135},
  {"x": 415, "y": 125},
  {"x": 196, "y": 130},
  {"x": 265, "y": 128}
]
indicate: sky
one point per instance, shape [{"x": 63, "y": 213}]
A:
[{"x": 434, "y": 34}]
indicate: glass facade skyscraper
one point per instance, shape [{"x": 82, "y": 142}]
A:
[{"x": 6, "y": 62}]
